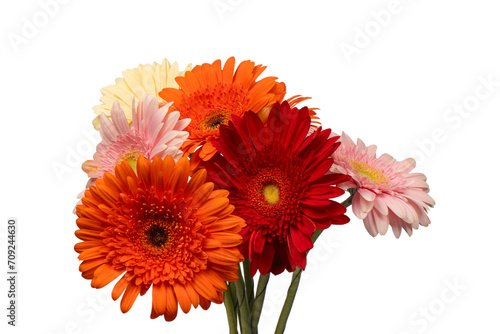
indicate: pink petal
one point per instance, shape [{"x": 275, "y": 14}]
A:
[
  {"x": 346, "y": 140},
  {"x": 380, "y": 205},
  {"x": 367, "y": 194},
  {"x": 406, "y": 165},
  {"x": 370, "y": 225},
  {"x": 119, "y": 120},
  {"x": 381, "y": 221},
  {"x": 356, "y": 207}
]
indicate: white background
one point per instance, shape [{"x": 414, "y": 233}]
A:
[{"x": 394, "y": 92}]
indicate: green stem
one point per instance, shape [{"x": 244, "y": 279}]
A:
[
  {"x": 259, "y": 301},
  {"x": 294, "y": 285},
  {"x": 249, "y": 284},
  {"x": 231, "y": 316},
  {"x": 243, "y": 305},
  {"x": 347, "y": 203},
  {"x": 290, "y": 297},
  {"x": 232, "y": 290}
]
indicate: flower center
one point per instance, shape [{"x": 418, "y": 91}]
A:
[
  {"x": 274, "y": 194},
  {"x": 156, "y": 236},
  {"x": 131, "y": 158},
  {"x": 161, "y": 233},
  {"x": 271, "y": 193},
  {"x": 369, "y": 172},
  {"x": 215, "y": 119}
]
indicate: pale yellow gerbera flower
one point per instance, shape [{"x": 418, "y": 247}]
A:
[{"x": 143, "y": 80}]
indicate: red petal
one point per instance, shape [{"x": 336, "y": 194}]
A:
[{"x": 266, "y": 258}]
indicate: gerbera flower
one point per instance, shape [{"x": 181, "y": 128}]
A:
[
  {"x": 154, "y": 132},
  {"x": 387, "y": 193},
  {"x": 159, "y": 229},
  {"x": 145, "y": 79},
  {"x": 275, "y": 174},
  {"x": 209, "y": 95}
]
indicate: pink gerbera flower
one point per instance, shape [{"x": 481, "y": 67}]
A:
[
  {"x": 154, "y": 133},
  {"x": 387, "y": 193}
]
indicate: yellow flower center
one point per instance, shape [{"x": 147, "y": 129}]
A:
[
  {"x": 131, "y": 158},
  {"x": 368, "y": 171},
  {"x": 271, "y": 193}
]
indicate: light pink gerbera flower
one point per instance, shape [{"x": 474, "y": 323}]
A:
[
  {"x": 387, "y": 193},
  {"x": 154, "y": 132}
]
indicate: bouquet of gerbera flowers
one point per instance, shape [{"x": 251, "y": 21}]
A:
[{"x": 203, "y": 169}]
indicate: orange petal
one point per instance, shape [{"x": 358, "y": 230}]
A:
[
  {"x": 204, "y": 287},
  {"x": 159, "y": 298},
  {"x": 209, "y": 243},
  {"x": 91, "y": 264},
  {"x": 120, "y": 287},
  {"x": 182, "y": 297},
  {"x": 193, "y": 295},
  {"x": 171, "y": 310},
  {"x": 219, "y": 193},
  {"x": 90, "y": 254},
  {"x": 229, "y": 224},
  {"x": 202, "y": 194},
  {"x": 204, "y": 303},
  {"x": 81, "y": 246},
  {"x": 104, "y": 275},
  {"x": 227, "y": 239},
  {"x": 195, "y": 182},
  {"x": 144, "y": 170},
  {"x": 85, "y": 223},
  {"x": 216, "y": 281},
  {"x": 129, "y": 296},
  {"x": 227, "y": 72},
  {"x": 180, "y": 175},
  {"x": 207, "y": 151},
  {"x": 223, "y": 256},
  {"x": 243, "y": 73},
  {"x": 212, "y": 206}
]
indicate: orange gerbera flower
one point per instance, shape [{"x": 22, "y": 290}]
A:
[
  {"x": 209, "y": 95},
  {"x": 159, "y": 229}
]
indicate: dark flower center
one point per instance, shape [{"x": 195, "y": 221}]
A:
[
  {"x": 215, "y": 119},
  {"x": 156, "y": 236}
]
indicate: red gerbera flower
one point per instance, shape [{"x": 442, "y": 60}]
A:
[{"x": 275, "y": 174}]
